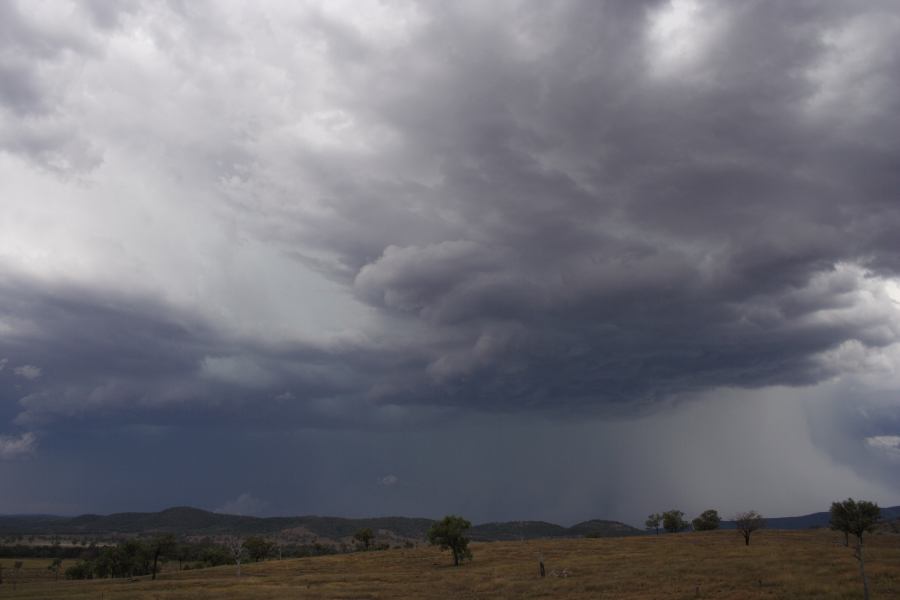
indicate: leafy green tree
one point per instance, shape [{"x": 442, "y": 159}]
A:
[
  {"x": 653, "y": 522},
  {"x": 215, "y": 556},
  {"x": 747, "y": 523},
  {"x": 673, "y": 521},
  {"x": 707, "y": 521},
  {"x": 258, "y": 548},
  {"x": 856, "y": 518},
  {"x": 364, "y": 537},
  {"x": 449, "y": 533}
]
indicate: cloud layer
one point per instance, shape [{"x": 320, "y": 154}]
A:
[{"x": 376, "y": 215}]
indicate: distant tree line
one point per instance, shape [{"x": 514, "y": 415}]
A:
[
  {"x": 139, "y": 557},
  {"x": 54, "y": 551},
  {"x": 673, "y": 521}
]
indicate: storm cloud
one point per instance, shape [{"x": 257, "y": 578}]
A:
[{"x": 396, "y": 218}]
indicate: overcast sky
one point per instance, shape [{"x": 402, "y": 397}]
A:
[{"x": 515, "y": 260}]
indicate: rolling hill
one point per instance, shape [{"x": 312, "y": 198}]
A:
[
  {"x": 812, "y": 520},
  {"x": 197, "y": 522}
]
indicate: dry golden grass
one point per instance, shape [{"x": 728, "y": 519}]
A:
[
  {"x": 778, "y": 564},
  {"x": 33, "y": 570}
]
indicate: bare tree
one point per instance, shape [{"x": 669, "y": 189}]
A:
[
  {"x": 162, "y": 545},
  {"x": 748, "y": 522},
  {"x": 236, "y": 545}
]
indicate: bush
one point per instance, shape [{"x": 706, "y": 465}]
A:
[{"x": 80, "y": 570}]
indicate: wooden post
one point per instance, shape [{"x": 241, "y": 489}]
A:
[{"x": 862, "y": 568}]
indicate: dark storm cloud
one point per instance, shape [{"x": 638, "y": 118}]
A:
[
  {"x": 35, "y": 61},
  {"x": 603, "y": 225},
  {"x": 573, "y": 206},
  {"x": 70, "y": 356}
]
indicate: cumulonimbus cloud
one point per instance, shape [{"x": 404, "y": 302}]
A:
[{"x": 555, "y": 211}]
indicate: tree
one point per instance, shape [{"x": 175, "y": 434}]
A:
[
  {"x": 236, "y": 546},
  {"x": 747, "y": 523},
  {"x": 707, "y": 521},
  {"x": 673, "y": 521},
  {"x": 258, "y": 548},
  {"x": 55, "y": 566},
  {"x": 653, "y": 522},
  {"x": 163, "y": 545},
  {"x": 364, "y": 537},
  {"x": 856, "y": 518},
  {"x": 448, "y": 533}
]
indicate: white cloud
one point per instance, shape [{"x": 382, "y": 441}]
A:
[
  {"x": 245, "y": 504},
  {"x": 889, "y": 444},
  {"x": 680, "y": 35},
  {"x": 3, "y": 362},
  {"x": 388, "y": 480},
  {"x": 31, "y": 372},
  {"x": 12, "y": 447}
]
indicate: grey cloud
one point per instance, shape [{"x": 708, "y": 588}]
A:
[
  {"x": 107, "y": 356},
  {"x": 388, "y": 480},
  {"x": 28, "y": 371},
  {"x": 638, "y": 222},
  {"x": 554, "y": 219},
  {"x": 546, "y": 209},
  {"x": 36, "y": 59},
  {"x": 12, "y": 447}
]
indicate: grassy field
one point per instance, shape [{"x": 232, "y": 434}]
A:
[
  {"x": 33, "y": 570},
  {"x": 778, "y": 564}
]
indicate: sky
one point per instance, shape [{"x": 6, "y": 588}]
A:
[{"x": 512, "y": 260}]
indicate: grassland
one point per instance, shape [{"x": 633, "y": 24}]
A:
[{"x": 778, "y": 564}]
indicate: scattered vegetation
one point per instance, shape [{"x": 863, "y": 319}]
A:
[
  {"x": 779, "y": 564},
  {"x": 693, "y": 565}
]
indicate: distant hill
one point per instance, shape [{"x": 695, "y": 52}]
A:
[
  {"x": 197, "y": 522},
  {"x": 813, "y": 520},
  {"x": 601, "y": 528},
  {"x": 202, "y": 523}
]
